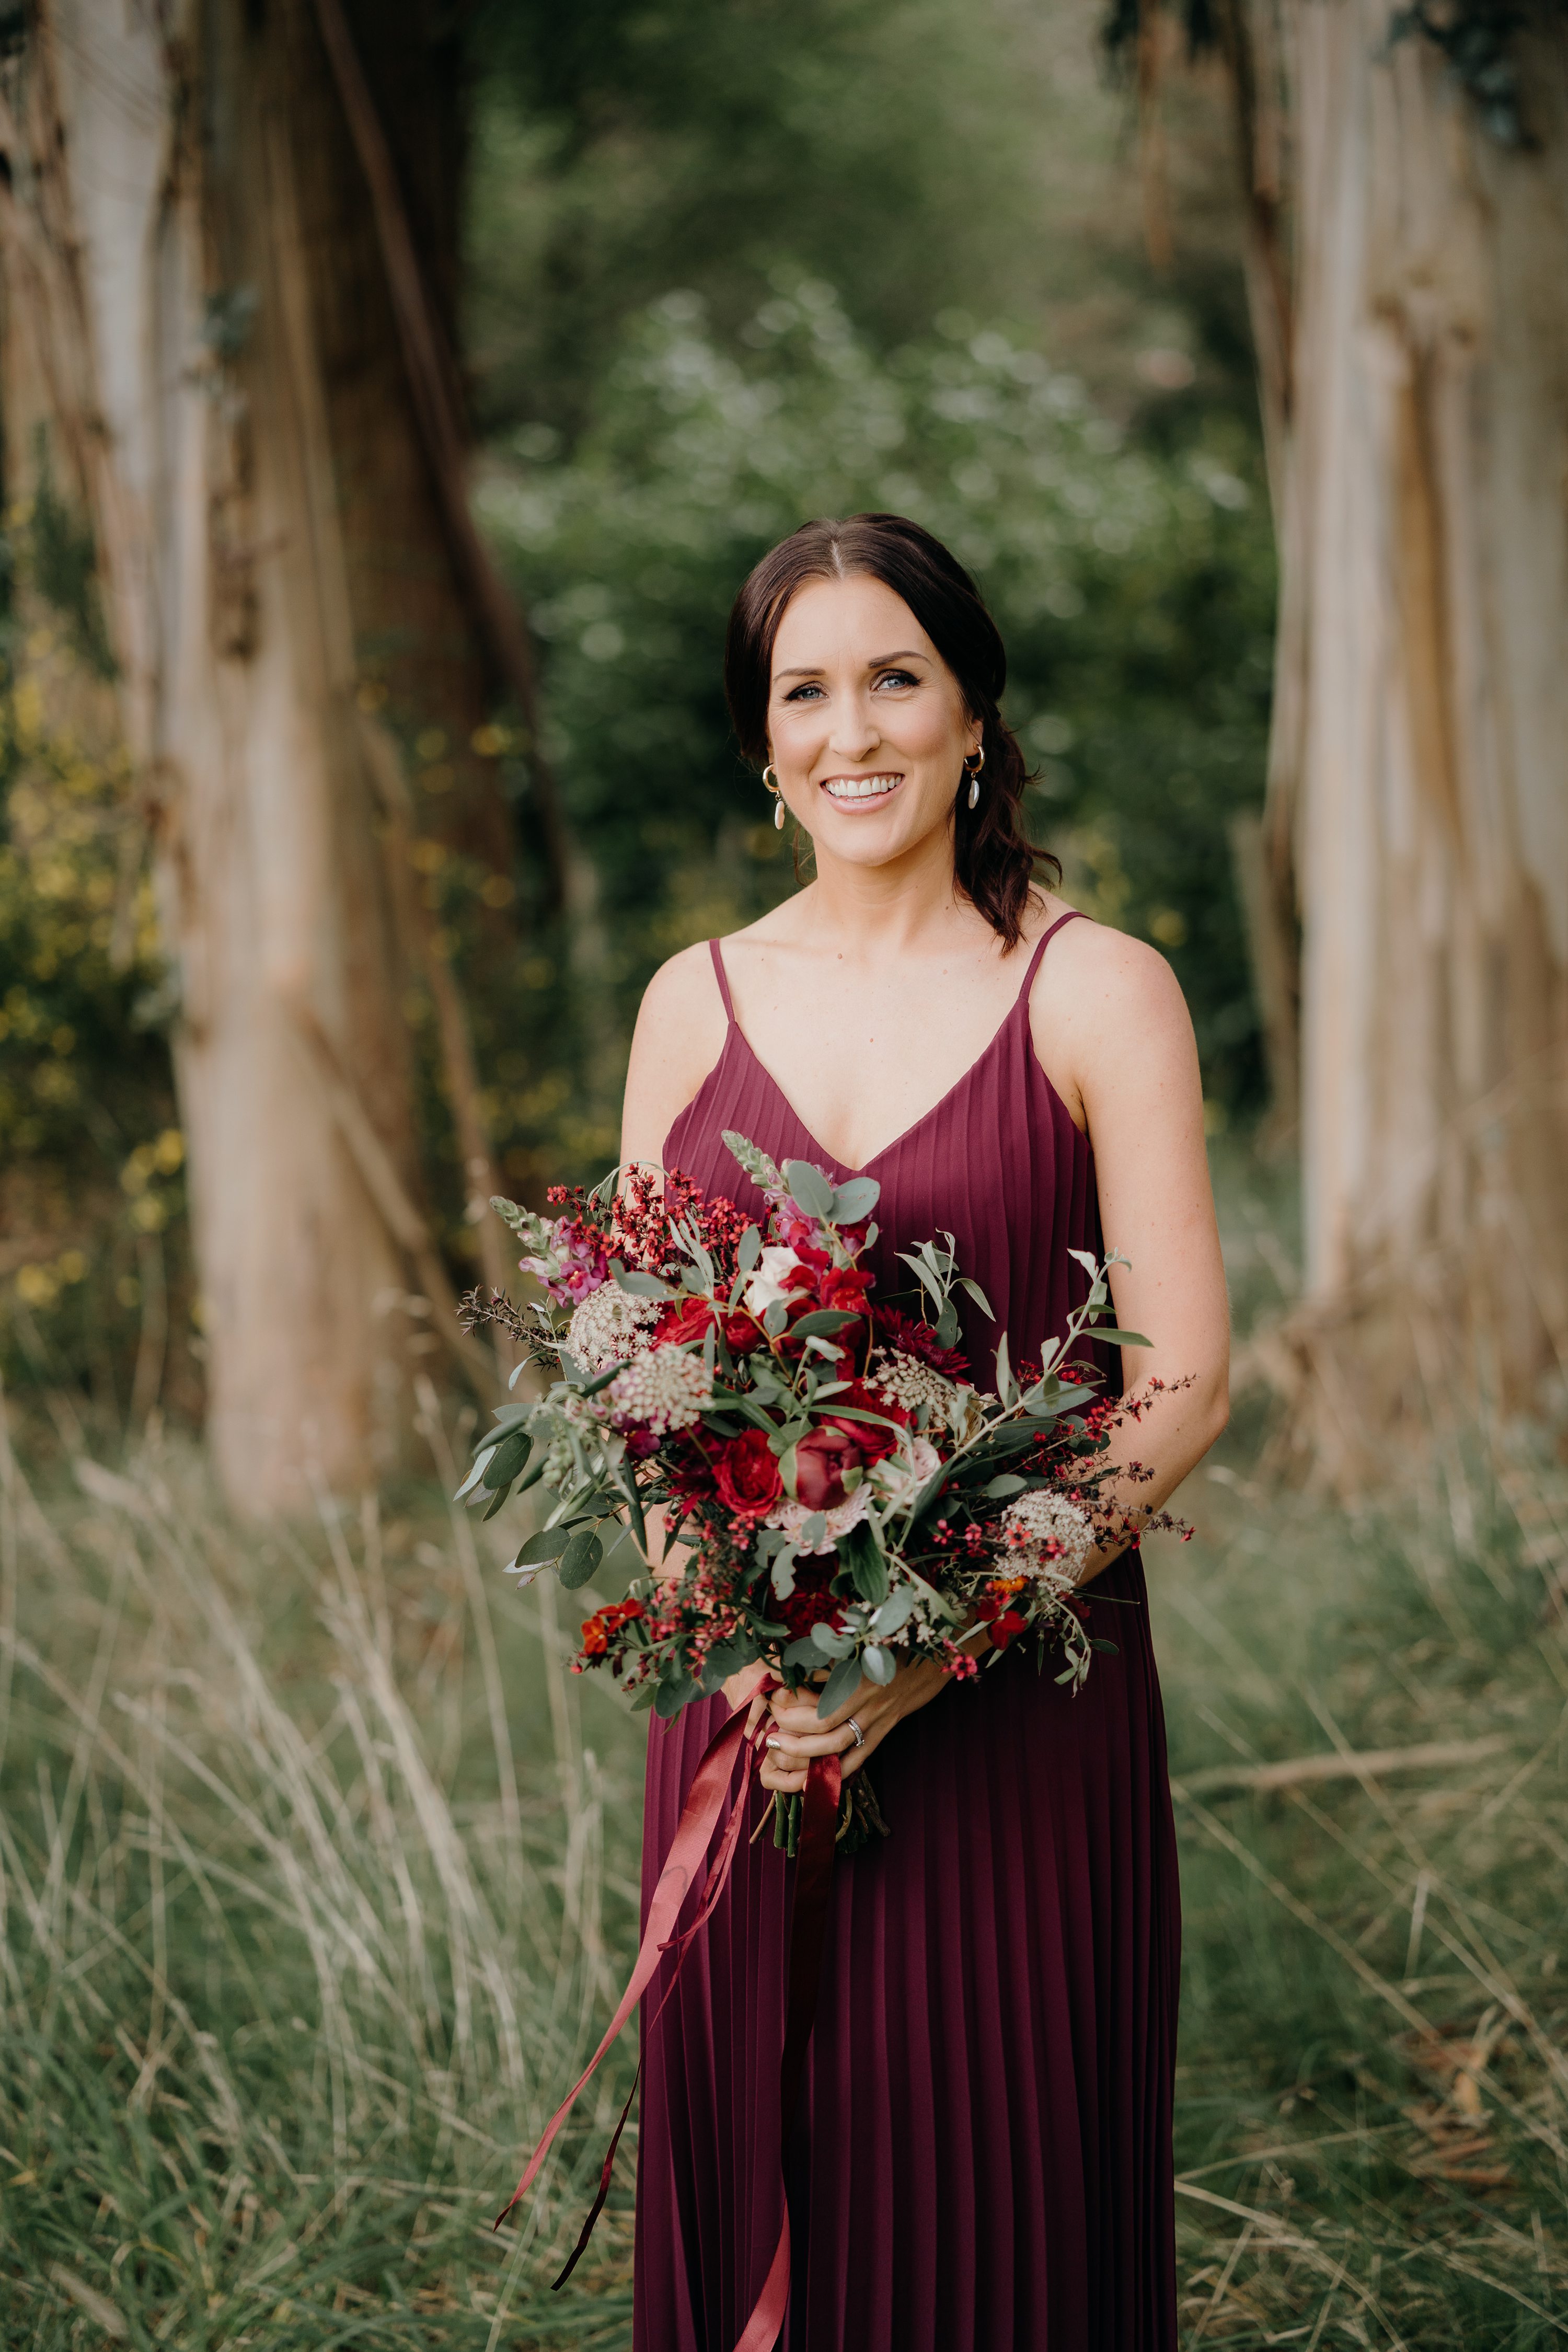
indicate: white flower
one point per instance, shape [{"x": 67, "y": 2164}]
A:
[
  {"x": 664, "y": 1389},
  {"x": 610, "y": 1325},
  {"x": 909, "y": 1382},
  {"x": 1042, "y": 1518},
  {"x": 899, "y": 1476},
  {"x": 839, "y": 1520},
  {"x": 767, "y": 1285}
]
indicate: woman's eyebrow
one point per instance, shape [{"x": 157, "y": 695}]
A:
[{"x": 883, "y": 661}]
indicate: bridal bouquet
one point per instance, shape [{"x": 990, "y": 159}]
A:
[{"x": 845, "y": 1494}]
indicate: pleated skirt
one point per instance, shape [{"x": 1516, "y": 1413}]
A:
[{"x": 983, "y": 2159}]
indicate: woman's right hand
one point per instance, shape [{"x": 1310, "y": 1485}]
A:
[{"x": 748, "y": 1685}]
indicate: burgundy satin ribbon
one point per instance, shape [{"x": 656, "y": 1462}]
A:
[
  {"x": 689, "y": 1845},
  {"x": 808, "y": 1923}
]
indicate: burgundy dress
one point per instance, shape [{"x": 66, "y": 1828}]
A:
[{"x": 983, "y": 2157}]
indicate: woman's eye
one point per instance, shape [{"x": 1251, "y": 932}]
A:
[
  {"x": 897, "y": 678},
  {"x": 802, "y": 693}
]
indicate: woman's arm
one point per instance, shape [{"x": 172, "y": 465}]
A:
[
  {"x": 1121, "y": 1036},
  {"x": 1114, "y": 1032}
]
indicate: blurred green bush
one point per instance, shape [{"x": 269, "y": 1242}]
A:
[{"x": 95, "y": 1289}]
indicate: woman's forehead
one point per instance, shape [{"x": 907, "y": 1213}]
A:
[{"x": 859, "y": 618}]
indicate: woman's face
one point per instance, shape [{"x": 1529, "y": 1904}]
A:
[{"x": 867, "y": 727}]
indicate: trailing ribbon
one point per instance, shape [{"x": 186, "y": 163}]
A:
[
  {"x": 693, "y": 1833},
  {"x": 808, "y": 1922}
]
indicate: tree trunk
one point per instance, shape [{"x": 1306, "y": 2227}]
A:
[
  {"x": 1418, "y": 408},
  {"x": 197, "y": 303}
]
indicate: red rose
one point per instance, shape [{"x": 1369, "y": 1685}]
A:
[
  {"x": 1006, "y": 1628},
  {"x": 844, "y": 1287},
  {"x": 687, "y": 1320},
  {"x": 742, "y": 1334},
  {"x": 821, "y": 1459},
  {"x": 747, "y": 1473}
]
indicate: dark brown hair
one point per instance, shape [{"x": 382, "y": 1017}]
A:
[{"x": 994, "y": 860}]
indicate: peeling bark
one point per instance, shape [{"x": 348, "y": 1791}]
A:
[{"x": 1419, "y": 765}]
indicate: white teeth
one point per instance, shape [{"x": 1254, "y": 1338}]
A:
[{"x": 860, "y": 788}]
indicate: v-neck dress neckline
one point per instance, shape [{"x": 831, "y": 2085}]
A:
[{"x": 1017, "y": 1012}]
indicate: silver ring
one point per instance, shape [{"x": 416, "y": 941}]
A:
[{"x": 859, "y": 1735}]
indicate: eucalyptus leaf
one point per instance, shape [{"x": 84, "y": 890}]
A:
[
  {"x": 893, "y": 1615},
  {"x": 749, "y": 1250},
  {"x": 863, "y": 1557},
  {"x": 497, "y": 1499},
  {"x": 478, "y": 1472},
  {"x": 774, "y": 1319},
  {"x": 855, "y": 1200},
  {"x": 640, "y": 1286},
  {"x": 1121, "y": 1339},
  {"x": 947, "y": 1326},
  {"x": 804, "y": 1655},
  {"x": 726, "y": 1658},
  {"x": 828, "y": 1642},
  {"x": 812, "y": 1528},
  {"x": 781, "y": 1576},
  {"x": 548, "y": 1544},
  {"x": 879, "y": 1664},
  {"x": 808, "y": 1188},
  {"x": 509, "y": 1460},
  {"x": 505, "y": 1416},
  {"x": 821, "y": 1321},
  {"x": 841, "y": 1683},
  {"x": 671, "y": 1696},
  {"x": 978, "y": 1296},
  {"x": 580, "y": 1561},
  {"x": 1010, "y": 1484},
  {"x": 1006, "y": 1387}
]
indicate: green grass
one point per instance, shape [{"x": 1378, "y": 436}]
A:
[{"x": 317, "y": 1877}]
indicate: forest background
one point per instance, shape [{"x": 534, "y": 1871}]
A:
[
  {"x": 716, "y": 275},
  {"x": 317, "y": 1867}
]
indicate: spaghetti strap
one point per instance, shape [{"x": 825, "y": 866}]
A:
[
  {"x": 716, "y": 951},
  {"x": 1073, "y": 915}
]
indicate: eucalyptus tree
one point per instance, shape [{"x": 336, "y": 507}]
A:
[
  {"x": 1404, "y": 175},
  {"x": 227, "y": 240}
]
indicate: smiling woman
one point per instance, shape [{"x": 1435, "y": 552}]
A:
[
  {"x": 986, "y": 2159},
  {"x": 820, "y": 698}
]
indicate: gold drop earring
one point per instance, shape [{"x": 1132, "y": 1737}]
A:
[
  {"x": 973, "y": 775},
  {"x": 778, "y": 797}
]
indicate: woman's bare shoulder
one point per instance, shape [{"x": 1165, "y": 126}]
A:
[
  {"x": 1102, "y": 1004},
  {"x": 680, "y": 1037},
  {"x": 1091, "y": 967}
]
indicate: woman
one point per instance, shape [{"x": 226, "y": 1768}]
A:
[{"x": 983, "y": 2160}]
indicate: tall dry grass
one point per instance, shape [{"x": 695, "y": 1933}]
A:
[
  {"x": 317, "y": 1872},
  {"x": 308, "y": 1905}
]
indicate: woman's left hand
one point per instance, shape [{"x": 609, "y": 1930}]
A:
[{"x": 798, "y": 1733}]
